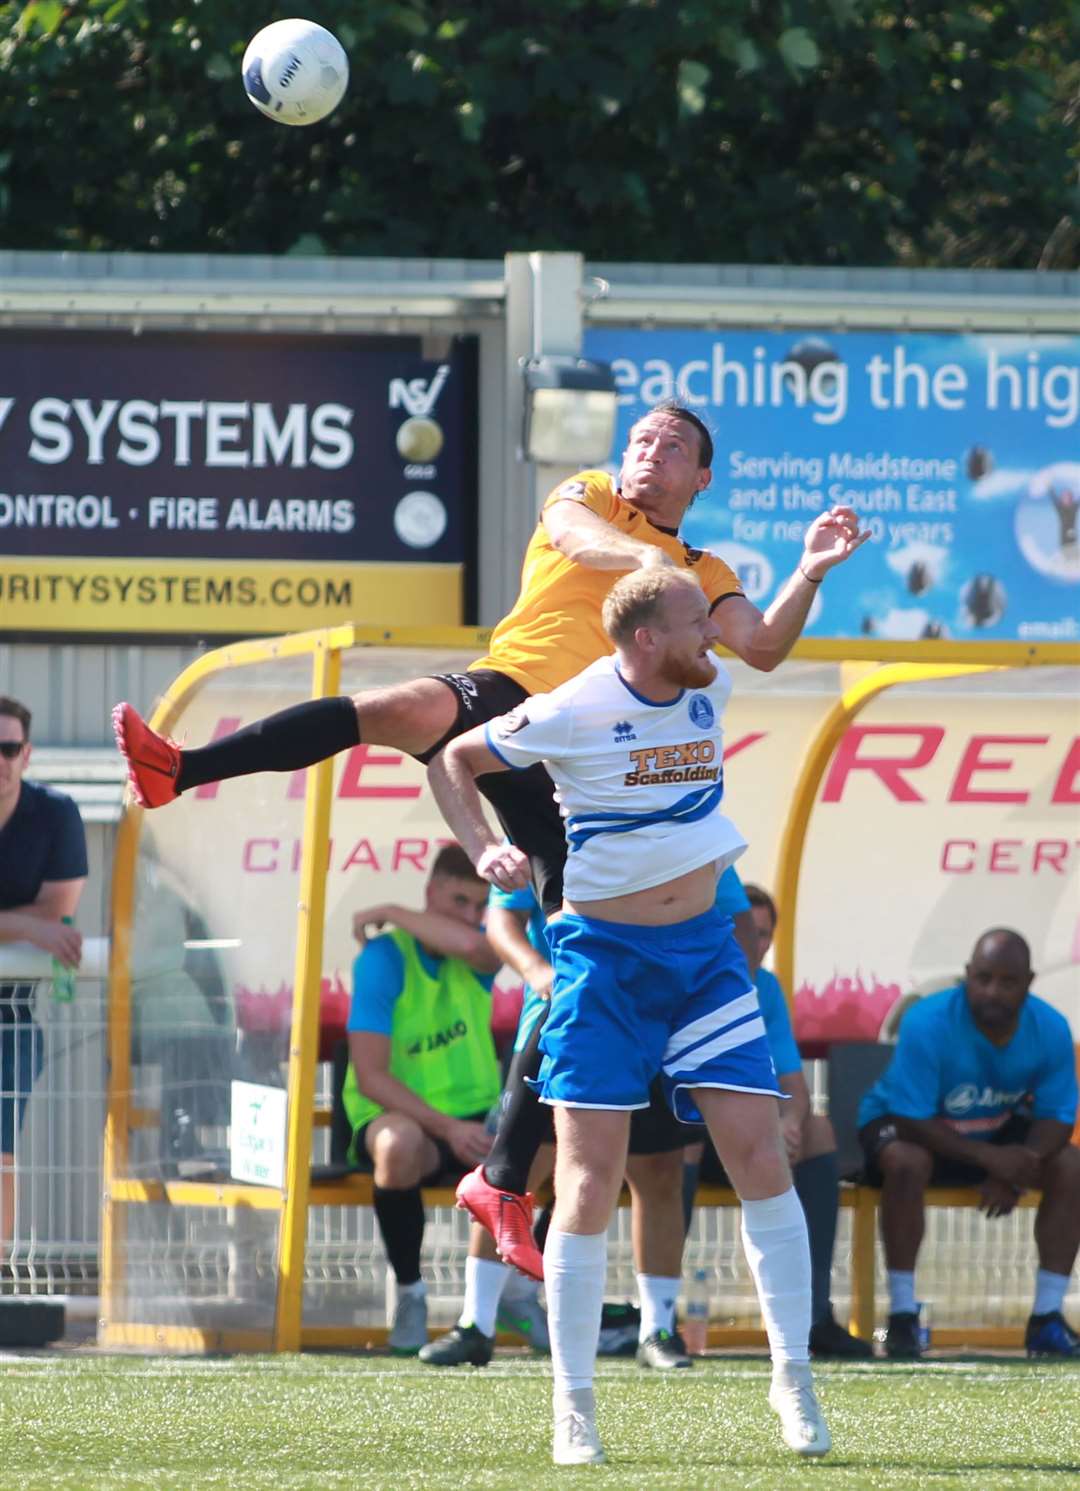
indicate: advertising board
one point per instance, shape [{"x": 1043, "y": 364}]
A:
[
  {"x": 221, "y": 483},
  {"x": 944, "y": 811},
  {"x": 958, "y": 452}
]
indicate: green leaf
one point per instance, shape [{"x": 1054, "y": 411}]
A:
[
  {"x": 307, "y": 246},
  {"x": 692, "y": 81},
  {"x": 747, "y": 56},
  {"x": 798, "y": 49},
  {"x": 408, "y": 19},
  {"x": 41, "y": 15},
  {"x": 471, "y": 120}
]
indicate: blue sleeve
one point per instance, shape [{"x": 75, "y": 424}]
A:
[
  {"x": 911, "y": 1086},
  {"x": 730, "y": 896},
  {"x": 66, "y": 859},
  {"x": 521, "y": 899},
  {"x": 378, "y": 975},
  {"x": 1056, "y": 1094},
  {"x": 778, "y": 1031}
]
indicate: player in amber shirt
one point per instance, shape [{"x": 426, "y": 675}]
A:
[{"x": 589, "y": 533}]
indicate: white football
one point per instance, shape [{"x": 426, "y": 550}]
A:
[{"x": 295, "y": 71}]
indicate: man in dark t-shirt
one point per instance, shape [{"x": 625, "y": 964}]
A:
[{"x": 42, "y": 873}]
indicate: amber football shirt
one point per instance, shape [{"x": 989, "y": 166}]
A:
[{"x": 554, "y": 629}]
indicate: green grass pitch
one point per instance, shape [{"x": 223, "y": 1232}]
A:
[{"x": 368, "y": 1423}]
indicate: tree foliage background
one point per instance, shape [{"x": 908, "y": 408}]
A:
[{"x": 763, "y": 131}]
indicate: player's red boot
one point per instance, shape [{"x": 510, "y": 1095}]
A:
[
  {"x": 153, "y": 762},
  {"x": 509, "y": 1219}
]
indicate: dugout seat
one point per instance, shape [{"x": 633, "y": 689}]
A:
[
  {"x": 853, "y": 1066},
  {"x": 340, "y": 1127}
]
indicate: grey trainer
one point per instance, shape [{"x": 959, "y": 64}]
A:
[{"x": 409, "y": 1330}]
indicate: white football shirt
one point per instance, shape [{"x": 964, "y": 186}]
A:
[{"x": 639, "y": 784}]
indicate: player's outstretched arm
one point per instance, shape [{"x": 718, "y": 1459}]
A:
[
  {"x": 764, "y": 639},
  {"x": 507, "y": 932},
  {"x": 585, "y": 537},
  {"x": 452, "y": 776}
]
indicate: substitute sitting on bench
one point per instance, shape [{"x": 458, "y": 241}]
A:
[
  {"x": 423, "y": 1072},
  {"x": 981, "y": 1091}
]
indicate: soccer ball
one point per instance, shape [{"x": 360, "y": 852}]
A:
[{"x": 295, "y": 71}]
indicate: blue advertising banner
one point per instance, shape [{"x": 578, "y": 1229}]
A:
[{"x": 959, "y": 452}]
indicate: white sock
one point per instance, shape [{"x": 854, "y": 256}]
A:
[
  {"x": 657, "y": 1296},
  {"x": 484, "y": 1283},
  {"x": 778, "y": 1252},
  {"x": 417, "y": 1287},
  {"x": 575, "y": 1266},
  {"x": 1050, "y": 1291},
  {"x": 902, "y": 1299}
]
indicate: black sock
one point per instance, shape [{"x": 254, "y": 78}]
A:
[
  {"x": 285, "y": 741},
  {"x": 541, "y": 1225},
  {"x": 400, "y": 1216},
  {"x": 817, "y": 1184},
  {"x": 524, "y": 1122},
  {"x": 690, "y": 1172}
]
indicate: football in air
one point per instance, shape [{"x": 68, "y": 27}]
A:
[{"x": 295, "y": 72}]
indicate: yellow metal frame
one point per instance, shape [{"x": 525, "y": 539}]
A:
[
  {"x": 325, "y": 648},
  {"x": 856, "y": 696},
  {"x": 119, "y": 1190},
  {"x": 851, "y": 703},
  {"x": 304, "y": 1027},
  {"x": 994, "y": 654}
]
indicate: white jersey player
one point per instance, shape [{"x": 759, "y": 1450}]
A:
[{"x": 648, "y": 976}]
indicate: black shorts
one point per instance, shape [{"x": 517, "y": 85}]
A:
[
  {"x": 880, "y": 1132},
  {"x": 711, "y": 1171},
  {"x": 449, "y": 1168},
  {"x": 653, "y": 1130},
  {"x": 656, "y": 1130},
  {"x": 524, "y": 801}
]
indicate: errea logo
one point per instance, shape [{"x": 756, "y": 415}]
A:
[{"x": 623, "y": 731}]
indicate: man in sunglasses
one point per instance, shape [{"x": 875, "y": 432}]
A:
[{"x": 43, "y": 869}]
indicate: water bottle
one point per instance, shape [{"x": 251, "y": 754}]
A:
[
  {"x": 695, "y": 1330},
  {"x": 63, "y": 977}
]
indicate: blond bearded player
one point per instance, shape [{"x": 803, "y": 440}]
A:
[
  {"x": 649, "y": 979},
  {"x": 590, "y": 531}
]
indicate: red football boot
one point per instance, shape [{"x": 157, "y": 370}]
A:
[
  {"x": 153, "y": 762},
  {"x": 509, "y": 1219}
]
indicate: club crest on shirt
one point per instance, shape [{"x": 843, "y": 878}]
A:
[{"x": 701, "y": 711}]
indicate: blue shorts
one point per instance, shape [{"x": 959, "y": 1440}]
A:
[
  {"x": 20, "y": 1065},
  {"x": 632, "y": 1001}
]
